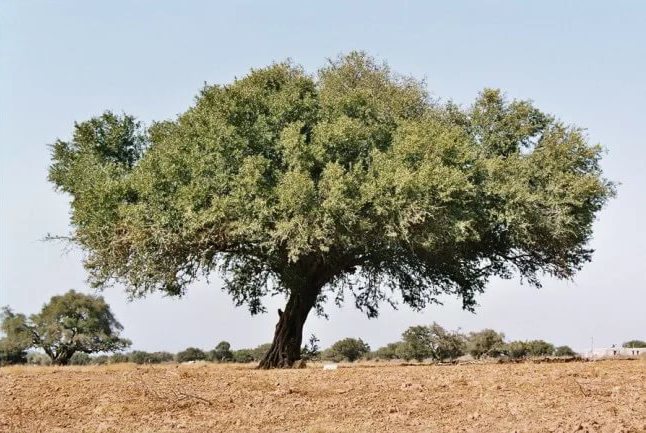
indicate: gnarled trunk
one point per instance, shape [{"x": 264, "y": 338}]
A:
[{"x": 286, "y": 347}]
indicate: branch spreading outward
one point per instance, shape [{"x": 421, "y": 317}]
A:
[{"x": 347, "y": 180}]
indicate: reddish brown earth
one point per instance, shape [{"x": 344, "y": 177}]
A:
[{"x": 608, "y": 396}]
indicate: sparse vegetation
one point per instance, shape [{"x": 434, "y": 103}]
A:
[{"x": 311, "y": 350}]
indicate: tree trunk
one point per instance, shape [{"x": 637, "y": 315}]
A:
[{"x": 286, "y": 347}]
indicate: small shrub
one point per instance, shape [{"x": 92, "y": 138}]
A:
[
  {"x": 119, "y": 358},
  {"x": 100, "y": 359},
  {"x": 311, "y": 350},
  {"x": 37, "y": 358},
  {"x": 80, "y": 358}
]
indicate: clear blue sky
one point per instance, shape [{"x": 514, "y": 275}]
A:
[{"x": 584, "y": 61}]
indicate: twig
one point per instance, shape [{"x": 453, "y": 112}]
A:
[
  {"x": 209, "y": 402},
  {"x": 581, "y": 388}
]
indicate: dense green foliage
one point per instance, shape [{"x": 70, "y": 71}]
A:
[
  {"x": 69, "y": 323},
  {"x": 349, "y": 180},
  {"x": 16, "y": 341},
  {"x": 80, "y": 358},
  {"x": 425, "y": 342},
  {"x": 348, "y": 349},
  {"x": 417, "y": 343},
  {"x": 389, "y": 351},
  {"x": 447, "y": 345},
  {"x": 10, "y": 354},
  {"x": 516, "y": 349},
  {"x": 141, "y": 357},
  {"x": 539, "y": 348},
  {"x": 37, "y": 358},
  {"x": 221, "y": 353},
  {"x": 486, "y": 343},
  {"x": 564, "y": 351},
  {"x": 190, "y": 354},
  {"x": 118, "y": 358},
  {"x": 634, "y": 343},
  {"x": 243, "y": 356}
]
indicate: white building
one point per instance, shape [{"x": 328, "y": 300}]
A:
[{"x": 617, "y": 351}]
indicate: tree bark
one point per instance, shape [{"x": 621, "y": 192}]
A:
[{"x": 286, "y": 347}]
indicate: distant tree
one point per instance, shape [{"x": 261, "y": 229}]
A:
[
  {"x": 485, "y": 343},
  {"x": 80, "y": 358},
  {"x": 260, "y": 351},
  {"x": 350, "y": 349},
  {"x": 350, "y": 179},
  {"x": 162, "y": 356},
  {"x": 142, "y": 357},
  {"x": 418, "y": 343},
  {"x": 221, "y": 353},
  {"x": 516, "y": 349},
  {"x": 389, "y": 351},
  {"x": 190, "y": 354},
  {"x": 311, "y": 350},
  {"x": 446, "y": 344},
  {"x": 564, "y": 351},
  {"x": 139, "y": 357},
  {"x": 16, "y": 340},
  {"x": 539, "y": 348},
  {"x": 67, "y": 324},
  {"x": 10, "y": 355},
  {"x": 243, "y": 356},
  {"x": 634, "y": 343}
]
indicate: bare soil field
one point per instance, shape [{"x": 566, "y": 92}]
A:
[{"x": 608, "y": 396}]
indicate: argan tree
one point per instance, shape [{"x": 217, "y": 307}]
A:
[
  {"x": 634, "y": 343},
  {"x": 418, "y": 343},
  {"x": 67, "y": 324},
  {"x": 486, "y": 343},
  {"x": 348, "y": 181},
  {"x": 222, "y": 352},
  {"x": 350, "y": 349}
]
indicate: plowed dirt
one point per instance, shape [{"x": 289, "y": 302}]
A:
[{"x": 607, "y": 396}]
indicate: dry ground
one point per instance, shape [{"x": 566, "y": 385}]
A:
[{"x": 608, "y": 396}]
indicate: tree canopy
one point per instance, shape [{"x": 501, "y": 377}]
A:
[
  {"x": 67, "y": 324},
  {"x": 348, "y": 181},
  {"x": 634, "y": 343}
]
